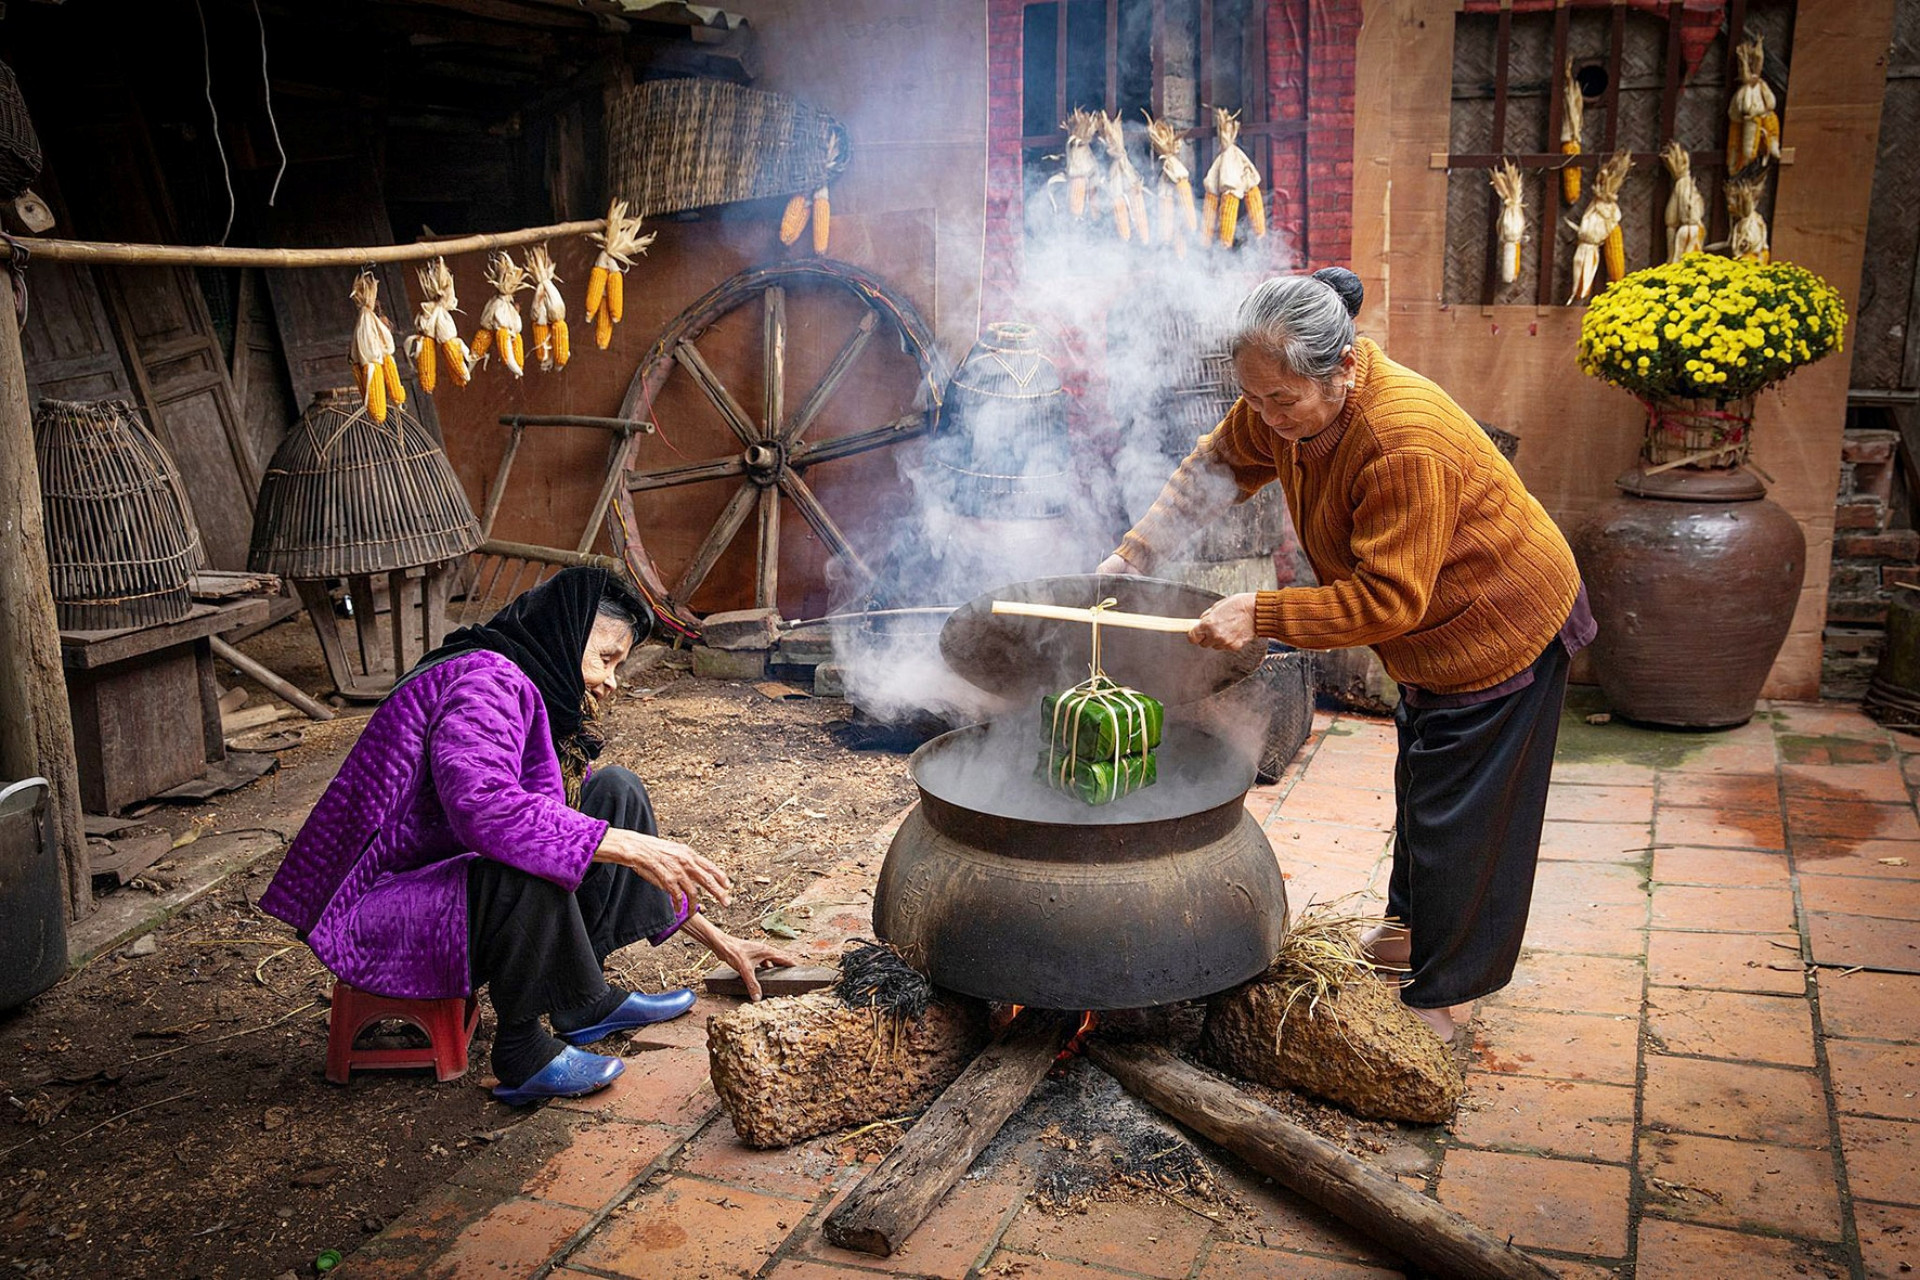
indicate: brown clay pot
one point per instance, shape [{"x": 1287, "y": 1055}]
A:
[{"x": 1693, "y": 577}]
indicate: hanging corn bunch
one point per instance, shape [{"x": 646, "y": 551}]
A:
[
  {"x": 500, "y": 324},
  {"x": 1747, "y": 240},
  {"x": 1177, "y": 219},
  {"x": 606, "y": 292},
  {"x": 548, "y": 311},
  {"x": 1129, "y": 191},
  {"x": 1573, "y": 110},
  {"x": 794, "y": 220},
  {"x": 435, "y": 334},
  {"x": 371, "y": 351},
  {"x": 1080, "y": 169},
  {"x": 1753, "y": 124},
  {"x": 1232, "y": 179},
  {"x": 1686, "y": 210},
  {"x": 1512, "y": 227},
  {"x": 1600, "y": 228}
]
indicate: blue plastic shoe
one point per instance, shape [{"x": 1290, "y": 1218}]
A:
[
  {"x": 636, "y": 1010},
  {"x": 573, "y": 1073}
]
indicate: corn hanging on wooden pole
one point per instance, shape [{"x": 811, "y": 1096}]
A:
[
  {"x": 822, "y": 220},
  {"x": 1229, "y": 218},
  {"x": 482, "y": 343},
  {"x": 459, "y": 361},
  {"x": 1210, "y": 218},
  {"x": 1257, "y": 213},
  {"x": 500, "y": 321},
  {"x": 1753, "y": 121},
  {"x": 396, "y": 392},
  {"x": 1573, "y": 108},
  {"x": 792, "y": 222},
  {"x": 549, "y": 309},
  {"x": 425, "y": 365},
  {"x": 619, "y": 242},
  {"x": 562, "y": 351},
  {"x": 370, "y": 351},
  {"x": 1512, "y": 224}
]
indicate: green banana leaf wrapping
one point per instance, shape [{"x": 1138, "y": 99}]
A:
[
  {"x": 1102, "y": 722},
  {"x": 1098, "y": 781}
]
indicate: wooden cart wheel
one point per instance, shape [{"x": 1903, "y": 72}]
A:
[{"x": 774, "y": 450}]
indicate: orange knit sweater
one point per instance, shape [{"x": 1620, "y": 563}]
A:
[{"x": 1427, "y": 545}]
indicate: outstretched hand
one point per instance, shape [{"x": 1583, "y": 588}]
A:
[
  {"x": 1115, "y": 564},
  {"x": 666, "y": 864},
  {"x": 1227, "y": 625},
  {"x": 745, "y": 956}
]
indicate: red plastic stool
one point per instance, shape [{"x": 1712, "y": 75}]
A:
[{"x": 448, "y": 1025}]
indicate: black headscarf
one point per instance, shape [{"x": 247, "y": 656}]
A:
[{"x": 544, "y": 632}]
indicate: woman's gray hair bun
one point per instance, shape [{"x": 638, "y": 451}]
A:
[{"x": 1304, "y": 322}]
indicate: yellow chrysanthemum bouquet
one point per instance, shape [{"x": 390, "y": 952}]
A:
[{"x": 1708, "y": 328}]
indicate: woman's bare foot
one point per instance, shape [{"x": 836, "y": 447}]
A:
[
  {"x": 1387, "y": 945},
  {"x": 1440, "y": 1020}
]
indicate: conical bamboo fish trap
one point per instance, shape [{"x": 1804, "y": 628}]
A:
[
  {"x": 347, "y": 496},
  {"x": 674, "y": 145},
  {"x": 122, "y": 545}
]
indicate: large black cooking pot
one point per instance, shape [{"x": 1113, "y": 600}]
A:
[{"x": 996, "y": 886}]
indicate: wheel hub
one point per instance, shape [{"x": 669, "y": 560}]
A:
[{"x": 766, "y": 462}]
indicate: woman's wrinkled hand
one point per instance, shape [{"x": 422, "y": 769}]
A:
[
  {"x": 745, "y": 956},
  {"x": 1115, "y": 564},
  {"x": 1227, "y": 625},
  {"x": 666, "y": 864}
]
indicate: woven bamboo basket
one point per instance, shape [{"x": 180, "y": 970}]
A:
[
  {"x": 674, "y": 145},
  {"x": 346, "y": 496},
  {"x": 122, "y": 545}
]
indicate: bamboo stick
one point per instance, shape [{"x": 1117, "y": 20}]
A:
[
  {"x": 114, "y": 253},
  {"x": 308, "y": 706},
  {"x": 1106, "y": 617}
]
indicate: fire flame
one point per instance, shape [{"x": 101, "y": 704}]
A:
[{"x": 1088, "y": 1021}]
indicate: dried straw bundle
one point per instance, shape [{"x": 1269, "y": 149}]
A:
[
  {"x": 122, "y": 544},
  {"x": 875, "y": 976},
  {"x": 345, "y": 495}
]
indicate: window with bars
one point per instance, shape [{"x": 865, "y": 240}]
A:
[
  {"x": 1175, "y": 59},
  {"x": 1645, "y": 82}
]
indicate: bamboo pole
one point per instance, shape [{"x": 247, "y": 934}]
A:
[
  {"x": 110, "y": 253},
  {"x": 36, "y": 726},
  {"x": 1105, "y": 617},
  {"x": 307, "y": 706}
]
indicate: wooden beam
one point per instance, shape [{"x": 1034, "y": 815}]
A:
[
  {"x": 36, "y": 728},
  {"x": 1412, "y": 1225},
  {"x": 880, "y": 1213},
  {"x": 114, "y": 253}
]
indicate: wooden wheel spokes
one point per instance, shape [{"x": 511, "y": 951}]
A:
[{"x": 773, "y": 448}]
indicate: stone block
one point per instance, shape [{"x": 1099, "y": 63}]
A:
[
  {"x": 806, "y": 646},
  {"x": 729, "y": 664},
  {"x": 1899, "y": 575},
  {"x": 792, "y": 1068},
  {"x": 1893, "y": 544},
  {"x": 741, "y": 629},
  {"x": 1869, "y": 445},
  {"x": 829, "y": 681},
  {"x": 1864, "y": 513}
]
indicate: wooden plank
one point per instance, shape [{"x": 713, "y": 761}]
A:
[
  {"x": 128, "y": 722},
  {"x": 716, "y": 392},
  {"x": 90, "y": 650},
  {"x": 766, "y": 578},
  {"x": 773, "y": 982},
  {"x": 1616, "y": 45},
  {"x": 1112, "y": 97}
]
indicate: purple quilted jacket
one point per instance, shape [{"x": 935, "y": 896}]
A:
[{"x": 457, "y": 764}]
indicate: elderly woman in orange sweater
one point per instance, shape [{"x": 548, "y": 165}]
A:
[{"x": 1430, "y": 549}]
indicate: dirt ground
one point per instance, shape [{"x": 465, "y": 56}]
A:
[{"x": 168, "y": 1110}]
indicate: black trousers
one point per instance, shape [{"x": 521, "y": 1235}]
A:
[
  {"x": 538, "y": 948},
  {"x": 1471, "y": 792}
]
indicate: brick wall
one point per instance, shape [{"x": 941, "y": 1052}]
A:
[{"x": 1871, "y": 556}]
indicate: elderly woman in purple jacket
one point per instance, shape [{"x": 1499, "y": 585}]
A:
[{"x": 466, "y": 841}]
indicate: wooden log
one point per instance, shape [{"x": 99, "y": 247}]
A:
[
  {"x": 233, "y": 657},
  {"x": 36, "y": 730},
  {"x": 1416, "y": 1227},
  {"x": 880, "y": 1213},
  {"x": 108, "y": 253},
  {"x": 791, "y": 1068}
]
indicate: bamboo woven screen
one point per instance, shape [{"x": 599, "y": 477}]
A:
[{"x": 674, "y": 145}]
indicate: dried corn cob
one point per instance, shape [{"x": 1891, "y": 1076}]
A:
[
  {"x": 1210, "y": 218},
  {"x": 482, "y": 343},
  {"x": 1753, "y": 123},
  {"x": 1686, "y": 210},
  {"x": 1231, "y": 176},
  {"x": 1257, "y": 212},
  {"x": 1129, "y": 192},
  {"x": 822, "y": 218},
  {"x": 548, "y": 310},
  {"x": 371, "y": 350},
  {"x": 1080, "y": 167},
  {"x": 1512, "y": 227},
  {"x": 1177, "y": 218},
  {"x": 500, "y": 319},
  {"x": 1747, "y": 238},
  {"x": 1600, "y": 228},
  {"x": 434, "y": 328},
  {"x": 425, "y": 363},
  {"x": 792, "y": 223},
  {"x": 618, "y": 243},
  {"x": 1573, "y": 110}
]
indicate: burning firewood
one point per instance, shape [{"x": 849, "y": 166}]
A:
[
  {"x": 1600, "y": 228},
  {"x": 500, "y": 323},
  {"x": 1512, "y": 227},
  {"x": 549, "y": 311},
  {"x": 1232, "y": 180},
  {"x": 1753, "y": 123},
  {"x": 1686, "y": 210},
  {"x": 606, "y": 301},
  {"x": 372, "y": 350},
  {"x": 435, "y": 333},
  {"x": 1177, "y": 218},
  {"x": 1129, "y": 192},
  {"x": 1573, "y": 109},
  {"x": 1748, "y": 238}
]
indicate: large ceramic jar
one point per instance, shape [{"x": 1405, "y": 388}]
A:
[{"x": 1693, "y": 577}]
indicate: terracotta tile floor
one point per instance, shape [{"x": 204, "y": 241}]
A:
[{"x": 1667, "y": 1087}]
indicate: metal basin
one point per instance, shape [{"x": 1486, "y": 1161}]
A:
[{"x": 996, "y": 886}]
